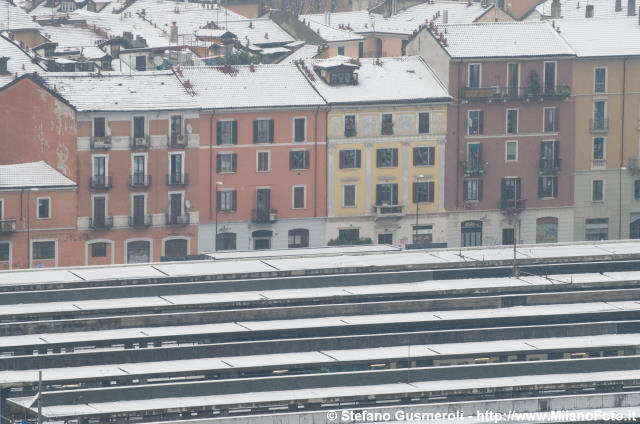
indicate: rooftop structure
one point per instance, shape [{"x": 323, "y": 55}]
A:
[
  {"x": 15, "y": 59},
  {"x": 602, "y": 37},
  {"x": 30, "y": 175}
]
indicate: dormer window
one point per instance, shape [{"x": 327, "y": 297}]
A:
[
  {"x": 338, "y": 73},
  {"x": 343, "y": 78}
]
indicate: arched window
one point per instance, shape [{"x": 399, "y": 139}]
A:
[
  {"x": 547, "y": 230},
  {"x": 138, "y": 251},
  {"x": 298, "y": 237},
  {"x": 176, "y": 247}
]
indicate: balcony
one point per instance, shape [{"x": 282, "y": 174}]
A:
[
  {"x": 7, "y": 226},
  {"x": 599, "y": 125},
  {"x": 139, "y": 143},
  {"x": 100, "y": 143},
  {"x": 140, "y": 221},
  {"x": 139, "y": 181},
  {"x": 598, "y": 163},
  {"x": 387, "y": 128},
  {"x": 178, "y": 179},
  {"x": 264, "y": 215},
  {"x": 100, "y": 182},
  {"x": 512, "y": 205},
  {"x": 103, "y": 223},
  {"x": 550, "y": 166},
  {"x": 177, "y": 220},
  {"x": 350, "y": 131},
  {"x": 177, "y": 141},
  {"x": 497, "y": 93},
  {"x": 473, "y": 168},
  {"x": 387, "y": 210}
]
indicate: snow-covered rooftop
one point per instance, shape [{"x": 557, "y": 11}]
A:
[
  {"x": 14, "y": 17},
  {"x": 308, "y": 51},
  {"x": 575, "y": 9},
  {"x": 504, "y": 39},
  {"x": 403, "y": 22},
  {"x": 602, "y": 37},
  {"x": 392, "y": 80},
  {"x": 278, "y": 85},
  {"x": 138, "y": 91},
  {"x": 330, "y": 34},
  {"x": 32, "y": 174},
  {"x": 257, "y": 31},
  {"x": 18, "y": 59},
  {"x": 70, "y": 36}
]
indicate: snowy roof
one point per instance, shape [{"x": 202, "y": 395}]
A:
[
  {"x": 329, "y": 33},
  {"x": 93, "y": 52},
  {"x": 402, "y": 79},
  {"x": 503, "y": 39},
  {"x": 575, "y": 9},
  {"x": 308, "y": 51},
  {"x": 403, "y": 22},
  {"x": 262, "y": 31},
  {"x": 33, "y": 174},
  {"x": 71, "y": 36},
  {"x": 138, "y": 91},
  {"x": 602, "y": 37},
  {"x": 18, "y": 59},
  {"x": 13, "y": 17},
  {"x": 280, "y": 85}
]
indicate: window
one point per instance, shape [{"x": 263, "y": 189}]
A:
[
  {"x": 549, "y": 77},
  {"x": 262, "y": 162},
  {"x": 472, "y": 190},
  {"x": 341, "y": 50},
  {"x": 263, "y": 131},
  {"x": 262, "y": 239},
  {"x": 598, "y": 148},
  {"x": 139, "y": 169},
  {"x": 422, "y": 234},
  {"x": 226, "y": 241},
  {"x": 343, "y": 78},
  {"x": 600, "y": 80},
  {"x": 508, "y": 236},
  {"x": 599, "y": 119},
  {"x": 176, "y": 125},
  {"x": 474, "y": 75},
  {"x": 597, "y": 191},
  {"x": 299, "y": 159},
  {"x": 141, "y": 63},
  {"x": 636, "y": 189},
  {"x": 4, "y": 251},
  {"x": 44, "y": 208},
  {"x": 349, "y": 159},
  {"x": 299, "y": 129},
  {"x": 513, "y": 79},
  {"x": 349, "y": 125},
  {"x": 423, "y": 122},
  {"x": 550, "y": 119},
  {"x": 227, "y": 132},
  {"x": 44, "y": 250},
  {"x": 226, "y": 162},
  {"x": 99, "y": 212},
  {"x": 424, "y": 156},
  {"x": 176, "y": 169},
  {"x": 386, "y": 194},
  {"x": 385, "y": 238},
  {"x": 511, "y": 151},
  {"x": 298, "y": 237},
  {"x": 138, "y": 251},
  {"x": 226, "y": 200},
  {"x": 512, "y": 121},
  {"x": 98, "y": 250},
  {"x": 548, "y": 187},
  {"x": 511, "y": 189},
  {"x": 1, "y": 209},
  {"x": 475, "y": 122},
  {"x": 596, "y": 229},
  {"x": 138, "y": 127},
  {"x": 176, "y": 248},
  {"x": 386, "y": 158},
  {"x": 99, "y": 127},
  {"x": 423, "y": 192},
  {"x": 349, "y": 195},
  {"x": 547, "y": 230},
  {"x": 387, "y": 124},
  {"x": 350, "y": 235},
  {"x": 299, "y": 197},
  {"x": 471, "y": 232},
  {"x": 361, "y": 49},
  {"x": 99, "y": 171}
]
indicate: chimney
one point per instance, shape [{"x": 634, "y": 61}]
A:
[
  {"x": 631, "y": 8},
  {"x": 556, "y": 9},
  {"x": 445, "y": 17},
  {"x": 588, "y": 11},
  {"x": 173, "y": 38},
  {"x": 618, "y": 5},
  {"x": 3, "y": 65}
]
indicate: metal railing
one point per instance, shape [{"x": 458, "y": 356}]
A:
[
  {"x": 512, "y": 205},
  {"x": 513, "y": 92},
  {"x": 100, "y": 182},
  {"x": 139, "y": 180},
  {"x": 177, "y": 140},
  {"x": 599, "y": 124},
  {"x": 103, "y": 223},
  {"x": 140, "y": 221},
  {"x": 177, "y": 220},
  {"x": 473, "y": 167},
  {"x": 177, "y": 179},
  {"x": 100, "y": 142},
  {"x": 264, "y": 215},
  {"x": 141, "y": 143},
  {"x": 550, "y": 165},
  {"x": 7, "y": 226}
]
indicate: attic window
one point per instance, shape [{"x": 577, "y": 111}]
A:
[{"x": 343, "y": 78}]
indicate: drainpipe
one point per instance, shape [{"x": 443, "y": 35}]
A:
[
  {"x": 458, "y": 139},
  {"x": 315, "y": 163},
  {"x": 213, "y": 112},
  {"x": 624, "y": 91}
]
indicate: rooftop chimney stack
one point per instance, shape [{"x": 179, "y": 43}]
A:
[
  {"x": 173, "y": 38},
  {"x": 556, "y": 9},
  {"x": 618, "y": 5},
  {"x": 631, "y": 8},
  {"x": 588, "y": 11}
]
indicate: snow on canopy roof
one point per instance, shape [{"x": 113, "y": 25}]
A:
[
  {"x": 575, "y": 9},
  {"x": 602, "y": 37},
  {"x": 403, "y": 22},
  {"x": 118, "y": 92},
  {"x": 504, "y": 39},
  {"x": 13, "y": 17},
  {"x": 32, "y": 174},
  {"x": 17, "y": 59},
  {"x": 394, "y": 80},
  {"x": 275, "y": 85}
]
